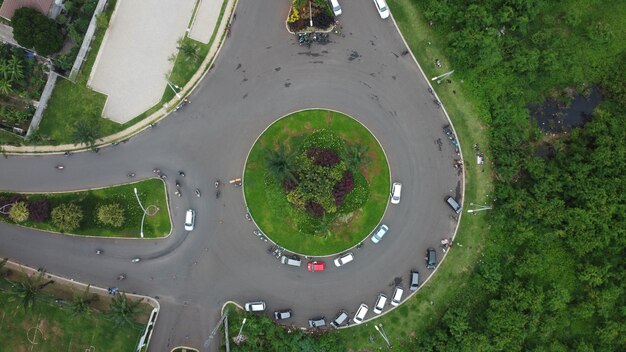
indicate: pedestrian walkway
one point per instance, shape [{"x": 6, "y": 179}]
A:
[
  {"x": 205, "y": 20},
  {"x": 6, "y": 34},
  {"x": 132, "y": 64}
]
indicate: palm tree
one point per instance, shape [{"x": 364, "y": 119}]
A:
[
  {"x": 356, "y": 155},
  {"x": 85, "y": 132},
  {"x": 30, "y": 288},
  {"x": 16, "y": 70},
  {"x": 80, "y": 303},
  {"x": 4, "y": 69},
  {"x": 6, "y": 86},
  {"x": 188, "y": 49},
  {"x": 280, "y": 164},
  {"x": 123, "y": 311}
]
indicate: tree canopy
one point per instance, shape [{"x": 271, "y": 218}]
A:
[{"x": 33, "y": 30}]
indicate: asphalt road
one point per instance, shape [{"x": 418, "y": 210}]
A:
[{"x": 260, "y": 75}]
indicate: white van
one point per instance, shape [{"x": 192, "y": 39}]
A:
[
  {"x": 360, "y": 313},
  {"x": 290, "y": 261},
  {"x": 380, "y": 303},
  {"x": 382, "y": 8},
  {"x": 397, "y": 296},
  {"x": 190, "y": 219},
  {"x": 255, "y": 306},
  {"x": 336, "y": 8}
]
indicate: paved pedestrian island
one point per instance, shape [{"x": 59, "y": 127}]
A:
[
  {"x": 132, "y": 63},
  {"x": 205, "y": 20}
]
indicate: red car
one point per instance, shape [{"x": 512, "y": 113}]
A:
[{"x": 316, "y": 266}]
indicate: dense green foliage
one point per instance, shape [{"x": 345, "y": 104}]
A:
[
  {"x": 263, "y": 335},
  {"x": 31, "y": 29},
  {"x": 317, "y": 182},
  {"x": 552, "y": 274}
]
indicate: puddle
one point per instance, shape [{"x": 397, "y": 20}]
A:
[{"x": 555, "y": 117}]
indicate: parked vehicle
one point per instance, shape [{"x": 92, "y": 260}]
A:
[
  {"x": 341, "y": 318},
  {"x": 335, "y": 6},
  {"x": 396, "y": 298},
  {"x": 282, "y": 314},
  {"x": 431, "y": 258},
  {"x": 381, "y": 301},
  {"x": 344, "y": 259},
  {"x": 396, "y": 190},
  {"x": 190, "y": 219},
  {"x": 360, "y": 313},
  {"x": 383, "y": 10},
  {"x": 453, "y": 204},
  {"x": 380, "y": 233},
  {"x": 316, "y": 266},
  {"x": 415, "y": 280},
  {"x": 293, "y": 261},
  {"x": 317, "y": 322},
  {"x": 255, "y": 306}
]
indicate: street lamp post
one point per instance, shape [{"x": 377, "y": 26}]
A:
[
  {"x": 439, "y": 78},
  {"x": 172, "y": 85},
  {"x": 142, "y": 208},
  {"x": 380, "y": 330},
  {"x": 481, "y": 207}
]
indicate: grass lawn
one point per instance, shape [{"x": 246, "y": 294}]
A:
[
  {"x": 151, "y": 192},
  {"x": 412, "y": 318},
  {"x": 71, "y": 102},
  {"x": 268, "y": 206},
  {"x": 59, "y": 329}
]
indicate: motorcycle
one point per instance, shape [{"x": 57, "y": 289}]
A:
[
  {"x": 59, "y": 167},
  {"x": 217, "y": 184},
  {"x": 197, "y": 193}
]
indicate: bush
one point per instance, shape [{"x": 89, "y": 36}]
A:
[
  {"x": 32, "y": 29},
  {"x": 39, "y": 210},
  {"x": 67, "y": 217},
  {"x": 19, "y": 212},
  {"x": 343, "y": 188},
  {"x": 111, "y": 214}
]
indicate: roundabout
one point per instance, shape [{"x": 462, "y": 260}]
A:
[
  {"x": 316, "y": 182},
  {"x": 194, "y": 273}
]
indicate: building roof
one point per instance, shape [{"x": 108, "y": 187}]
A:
[{"x": 9, "y": 6}]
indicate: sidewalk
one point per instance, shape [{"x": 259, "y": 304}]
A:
[
  {"x": 6, "y": 34},
  {"x": 205, "y": 20}
]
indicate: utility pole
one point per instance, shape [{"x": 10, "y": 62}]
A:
[
  {"x": 439, "y": 78},
  {"x": 480, "y": 207},
  {"x": 207, "y": 342}
]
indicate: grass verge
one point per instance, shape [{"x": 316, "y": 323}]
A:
[
  {"x": 412, "y": 318},
  {"x": 151, "y": 192},
  {"x": 53, "y": 327},
  {"x": 268, "y": 206},
  {"x": 72, "y": 102}
]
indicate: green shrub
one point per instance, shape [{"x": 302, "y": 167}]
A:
[
  {"x": 67, "y": 217},
  {"x": 32, "y": 29},
  {"x": 111, "y": 214},
  {"x": 19, "y": 212}
]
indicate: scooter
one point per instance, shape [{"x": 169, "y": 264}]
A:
[
  {"x": 121, "y": 277},
  {"x": 217, "y": 184},
  {"x": 59, "y": 167},
  {"x": 197, "y": 193}
]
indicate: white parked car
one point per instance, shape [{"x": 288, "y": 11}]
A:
[
  {"x": 255, "y": 306},
  {"x": 360, "y": 313},
  {"x": 190, "y": 219},
  {"x": 380, "y": 233},
  {"x": 344, "y": 259},
  {"x": 336, "y": 8},
  {"x": 380, "y": 303},
  {"x": 396, "y": 190},
  {"x": 382, "y": 8}
]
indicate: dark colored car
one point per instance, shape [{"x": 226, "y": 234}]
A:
[
  {"x": 431, "y": 258},
  {"x": 317, "y": 322},
  {"x": 415, "y": 280}
]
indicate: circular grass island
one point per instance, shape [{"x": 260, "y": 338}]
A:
[{"x": 316, "y": 182}]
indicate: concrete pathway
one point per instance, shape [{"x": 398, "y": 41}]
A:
[
  {"x": 205, "y": 20},
  {"x": 132, "y": 64},
  {"x": 6, "y": 34}
]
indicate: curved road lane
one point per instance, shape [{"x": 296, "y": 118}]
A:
[{"x": 260, "y": 75}]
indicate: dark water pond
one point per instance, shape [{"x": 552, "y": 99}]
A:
[{"x": 555, "y": 117}]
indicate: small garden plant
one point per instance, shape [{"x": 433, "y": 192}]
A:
[{"x": 300, "y": 15}]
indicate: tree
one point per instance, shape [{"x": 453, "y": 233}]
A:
[
  {"x": 123, "y": 311},
  {"x": 6, "y": 86},
  {"x": 81, "y": 302},
  {"x": 188, "y": 49},
  {"x": 67, "y": 217},
  {"x": 280, "y": 164},
  {"x": 16, "y": 70},
  {"x": 30, "y": 288},
  {"x": 85, "y": 131},
  {"x": 111, "y": 214},
  {"x": 31, "y": 29},
  {"x": 356, "y": 155},
  {"x": 19, "y": 212}
]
